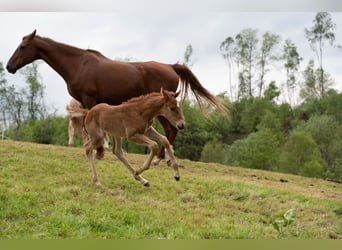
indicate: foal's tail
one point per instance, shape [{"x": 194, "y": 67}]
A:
[
  {"x": 76, "y": 112},
  {"x": 202, "y": 95}
]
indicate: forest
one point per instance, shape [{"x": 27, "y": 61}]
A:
[{"x": 294, "y": 126}]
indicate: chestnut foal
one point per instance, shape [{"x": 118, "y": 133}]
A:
[{"x": 133, "y": 120}]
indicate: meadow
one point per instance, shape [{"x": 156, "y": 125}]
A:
[{"x": 46, "y": 192}]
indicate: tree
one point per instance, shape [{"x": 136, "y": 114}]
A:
[
  {"x": 311, "y": 87},
  {"x": 327, "y": 133},
  {"x": 269, "y": 42},
  {"x": 188, "y": 56},
  {"x": 322, "y": 30},
  {"x": 301, "y": 154},
  {"x": 292, "y": 62},
  {"x": 213, "y": 151},
  {"x": 246, "y": 42},
  {"x": 272, "y": 91},
  {"x": 189, "y": 143},
  {"x": 259, "y": 150},
  {"x": 12, "y": 104},
  {"x": 35, "y": 92},
  {"x": 228, "y": 52}
]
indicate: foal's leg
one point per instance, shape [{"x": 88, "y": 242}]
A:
[
  {"x": 170, "y": 133},
  {"x": 71, "y": 132},
  {"x": 151, "y": 132},
  {"x": 119, "y": 153},
  {"x": 89, "y": 152},
  {"x": 145, "y": 141}
]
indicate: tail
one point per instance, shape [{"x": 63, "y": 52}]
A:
[
  {"x": 202, "y": 95},
  {"x": 76, "y": 112}
]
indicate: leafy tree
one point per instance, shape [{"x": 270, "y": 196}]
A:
[
  {"x": 327, "y": 133},
  {"x": 301, "y": 154},
  {"x": 269, "y": 42},
  {"x": 259, "y": 150},
  {"x": 12, "y": 105},
  {"x": 253, "y": 112},
  {"x": 189, "y": 143},
  {"x": 292, "y": 62},
  {"x": 321, "y": 31},
  {"x": 213, "y": 151},
  {"x": 311, "y": 87},
  {"x": 35, "y": 92},
  {"x": 246, "y": 42},
  {"x": 188, "y": 56},
  {"x": 228, "y": 51},
  {"x": 272, "y": 91}
]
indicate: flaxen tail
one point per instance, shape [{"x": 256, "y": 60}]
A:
[
  {"x": 76, "y": 112},
  {"x": 202, "y": 95}
]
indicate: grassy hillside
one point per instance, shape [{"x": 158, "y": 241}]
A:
[{"x": 46, "y": 192}]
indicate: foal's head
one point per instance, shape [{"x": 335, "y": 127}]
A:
[
  {"x": 171, "y": 111},
  {"x": 24, "y": 54}
]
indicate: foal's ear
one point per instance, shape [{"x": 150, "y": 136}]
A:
[
  {"x": 177, "y": 94},
  {"x": 163, "y": 92}
]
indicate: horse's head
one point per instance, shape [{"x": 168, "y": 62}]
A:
[
  {"x": 24, "y": 54},
  {"x": 171, "y": 111}
]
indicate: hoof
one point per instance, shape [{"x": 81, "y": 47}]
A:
[
  {"x": 99, "y": 153},
  {"x": 177, "y": 178},
  {"x": 156, "y": 162},
  {"x": 147, "y": 184},
  {"x": 168, "y": 162}
]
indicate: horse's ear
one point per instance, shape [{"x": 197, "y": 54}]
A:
[
  {"x": 32, "y": 35},
  {"x": 162, "y": 91},
  {"x": 177, "y": 94}
]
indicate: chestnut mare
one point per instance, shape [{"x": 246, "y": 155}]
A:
[
  {"x": 133, "y": 120},
  {"x": 92, "y": 78}
]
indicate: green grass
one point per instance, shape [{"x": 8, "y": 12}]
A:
[{"x": 46, "y": 192}]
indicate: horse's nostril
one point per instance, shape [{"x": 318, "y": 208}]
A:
[{"x": 10, "y": 68}]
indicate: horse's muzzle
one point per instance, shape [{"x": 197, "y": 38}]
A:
[
  {"x": 180, "y": 125},
  {"x": 11, "y": 69}
]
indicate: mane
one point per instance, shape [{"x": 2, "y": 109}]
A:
[
  {"x": 64, "y": 45},
  {"x": 140, "y": 98}
]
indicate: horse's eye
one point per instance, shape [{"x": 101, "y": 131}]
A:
[
  {"x": 173, "y": 109},
  {"x": 22, "y": 46}
]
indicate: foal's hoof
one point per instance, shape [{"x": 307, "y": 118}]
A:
[
  {"x": 156, "y": 162},
  {"x": 177, "y": 178},
  {"x": 147, "y": 184},
  {"x": 99, "y": 153}
]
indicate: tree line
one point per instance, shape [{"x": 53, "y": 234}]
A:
[{"x": 301, "y": 138}]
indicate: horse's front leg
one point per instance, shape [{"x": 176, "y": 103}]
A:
[
  {"x": 152, "y": 133},
  {"x": 170, "y": 133},
  {"x": 145, "y": 141}
]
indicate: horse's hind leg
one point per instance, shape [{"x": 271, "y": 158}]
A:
[
  {"x": 71, "y": 132},
  {"x": 90, "y": 156},
  {"x": 119, "y": 153}
]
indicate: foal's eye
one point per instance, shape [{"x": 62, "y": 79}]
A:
[
  {"x": 22, "y": 46},
  {"x": 172, "y": 109}
]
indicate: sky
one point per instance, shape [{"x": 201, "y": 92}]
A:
[{"x": 159, "y": 34}]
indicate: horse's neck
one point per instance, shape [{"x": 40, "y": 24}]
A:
[
  {"x": 151, "y": 107},
  {"x": 64, "y": 59}
]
